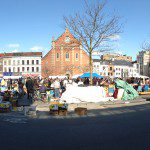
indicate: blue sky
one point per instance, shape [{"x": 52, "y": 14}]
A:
[{"x": 29, "y": 25}]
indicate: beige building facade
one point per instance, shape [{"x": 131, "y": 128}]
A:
[
  {"x": 116, "y": 57},
  {"x": 143, "y": 59}
]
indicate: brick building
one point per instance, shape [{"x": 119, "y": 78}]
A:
[{"x": 66, "y": 57}]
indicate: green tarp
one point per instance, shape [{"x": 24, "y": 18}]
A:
[{"x": 129, "y": 92}]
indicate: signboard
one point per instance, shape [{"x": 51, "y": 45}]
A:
[{"x": 7, "y": 73}]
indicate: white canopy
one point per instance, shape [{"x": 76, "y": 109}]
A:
[
  {"x": 60, "y": 77},
  {"x": 142, "y": 76},
  {"x": 12, "y": 77}
]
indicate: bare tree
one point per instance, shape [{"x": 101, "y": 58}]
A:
[
  {"x": 145, "y": 46},
  {"x": 93, "y": 28}
]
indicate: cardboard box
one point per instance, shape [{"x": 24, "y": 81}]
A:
[
  {"x": 53, "y": 112},
  {"x": 63, "y": 112},
  {"x": 81, "y": 111}
]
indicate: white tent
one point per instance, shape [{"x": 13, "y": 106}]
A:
[
  {"x": 142, "y": 76},
  {"x": 12, "y": 77},
  {"x": 76, "y": 76},
  {"x": 60, "y": 77}
]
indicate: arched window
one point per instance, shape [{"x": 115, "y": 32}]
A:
[
  {"x": 76, "y": 55},
  {"x": 67, "y": 55},
  {"x": 57, "y": 55}
]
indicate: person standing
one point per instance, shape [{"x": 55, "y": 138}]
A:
[
  {"x": 30, "y": 87},
  {"x": 56, "y": 88}
]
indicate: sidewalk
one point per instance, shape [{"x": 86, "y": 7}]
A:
[{"x": 94, "y": 109}]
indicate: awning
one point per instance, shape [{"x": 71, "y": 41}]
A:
[{"x": 87, "y": 75}]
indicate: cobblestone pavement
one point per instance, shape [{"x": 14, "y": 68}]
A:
[
  {"x": 94, "y": 109},
  {"x": 13, "y": 117}
]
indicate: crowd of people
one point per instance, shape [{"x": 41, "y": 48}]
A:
[{"x": 41, "y": 87}]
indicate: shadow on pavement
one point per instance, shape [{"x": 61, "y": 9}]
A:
[{"x": 96, "y": 112}]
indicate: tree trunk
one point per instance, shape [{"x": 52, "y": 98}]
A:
[{"x": 91, "y": 68}]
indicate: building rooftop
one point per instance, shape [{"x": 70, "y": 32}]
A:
[
  {"x": 122, "y": 63},
  {"x": 23, "y": 54},
  {"x": 114, "y": 62}
]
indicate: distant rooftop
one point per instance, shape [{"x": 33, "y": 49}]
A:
[
  {"x": 114, "y": 62},
  {"x": 23, "y": 54},
  {"x": 122, "y": 63}
]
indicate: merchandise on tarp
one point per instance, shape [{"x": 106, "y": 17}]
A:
[
  {"x": 129, "y": 92},
  {"x": 14, "y": 104},
  {"x": 5, "y": 106},
  {"x": 76, "y": 94},
  {"x": 3, "y": 88}
]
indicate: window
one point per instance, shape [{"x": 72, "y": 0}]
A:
[
  {"x": 5, "y": 69},
  {"x": 28, "y": 69},
  {"x": 27, "y": 62},
  {"x": 13, "y": 62},
  {"x": 57, "y": 55},
  {"x": 37, "y": 62},
  {"x": 5, "y": 62},
  {"x": 14, "y": 69},
  {"x": 37, "y": 69},
  {"x": 18, "y": 69},
  {"x": 110, "y": 68},
  {"x": 32, "y": 69},
  {"x": 22, "y": 62},
  {"x": 67, "y": 39},
  {"x": 76, "y": 55},
  {"x": 22, "y": 69},
  {"x": 9, "y": 69},
  {"x": 18, "y": 62},
  {"x": 32, "y": 62},
  {"x": 67, "y": 55},
  {"x": 9, "y": 62}
]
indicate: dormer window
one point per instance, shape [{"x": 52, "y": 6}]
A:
[{"x": 67, "y": 39}]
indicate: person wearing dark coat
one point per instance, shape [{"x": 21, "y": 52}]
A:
[{"x": 29, "y": 86}]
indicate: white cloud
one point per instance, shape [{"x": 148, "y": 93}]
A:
[
  {"x": 115, "y": 37},
  {"x": 36, "y": 48},
  {"x": 15, "y": 50},
  {"x": 14, "y": 45},
  {"x": 118, "y": 52}
]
